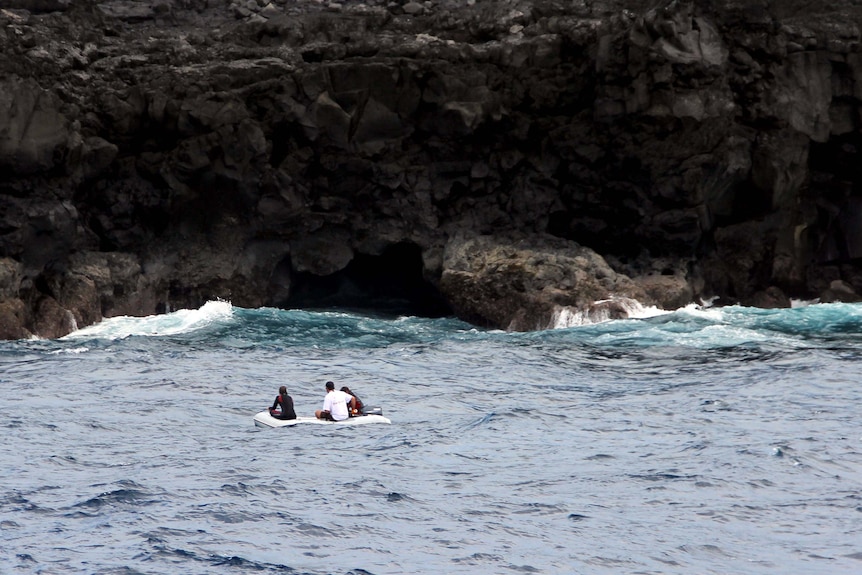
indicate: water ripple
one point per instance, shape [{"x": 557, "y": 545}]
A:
[{"x": 648, "y": 446}]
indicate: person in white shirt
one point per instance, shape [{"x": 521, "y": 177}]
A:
[{"x": 337, "y": 405}]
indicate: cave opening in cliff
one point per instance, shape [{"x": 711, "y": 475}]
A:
[{"x": 391, "y": 283}]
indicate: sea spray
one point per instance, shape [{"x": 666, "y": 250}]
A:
[
  {"x": 173, "y": 323},
  {"x": 602, "y": 311}
]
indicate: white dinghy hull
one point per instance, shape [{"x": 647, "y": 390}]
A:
[{"x": 264, "y": 419}]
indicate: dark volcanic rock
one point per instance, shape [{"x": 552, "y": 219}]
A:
[
  {"x": 526, "y": 283},
  {"x": 517, "y": 160},
  {"x": 35, "y": 133}
]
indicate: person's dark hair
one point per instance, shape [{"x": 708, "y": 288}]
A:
[
  {"x": 330, "y": 385},
  {"x": 346, "y": 389},
  {"x": 282, "y": 390}
]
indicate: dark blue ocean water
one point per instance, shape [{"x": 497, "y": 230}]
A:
[{"x": 720, "y": 440}]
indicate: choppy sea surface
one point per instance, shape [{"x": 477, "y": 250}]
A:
[{"x": 706, "y": 440}]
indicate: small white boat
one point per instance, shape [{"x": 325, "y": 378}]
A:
[{"x": 264, "y": 419}]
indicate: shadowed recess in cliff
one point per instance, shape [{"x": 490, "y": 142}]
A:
[
  {"x": 835, "y": 183},
  {"x": 391, "y": 283}
]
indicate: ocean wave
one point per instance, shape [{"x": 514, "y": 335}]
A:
[
  {"x": 698, "y": 326},
  {"x": 151, "y": 462},
  {"x": 173, "y": 323},
  {"x": 602, "y": 311}
]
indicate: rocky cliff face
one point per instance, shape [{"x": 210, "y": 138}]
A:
[{"x": 506, "y": 160}]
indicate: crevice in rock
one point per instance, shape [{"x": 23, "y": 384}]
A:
[
  {"x": 835, "y": 187},
  {"x": 284, "y": 138},
  {"x": 835, "y": 165}
]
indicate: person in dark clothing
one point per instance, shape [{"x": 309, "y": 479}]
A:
[
  {"x": 282, "y": 407},
  {"x": 357, "y": 409}
]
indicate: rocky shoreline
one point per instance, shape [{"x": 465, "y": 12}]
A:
[{"x": 504, "y": 161}]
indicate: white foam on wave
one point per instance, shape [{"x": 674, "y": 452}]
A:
[
  {"x": 642, "y": 312},
  {"x": 72, "y": 351},
  {"x": 608, "y": 310},
  {"x": 694, "y": 310},
  {"x": 180, "y": 321},
  {"x": 602, "y": 311}
]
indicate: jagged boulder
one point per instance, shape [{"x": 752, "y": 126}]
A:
[
  {"x": 522, "y": 283},
  {"x": 13, "y": 317},
  {"x": 13, "y": 312}
]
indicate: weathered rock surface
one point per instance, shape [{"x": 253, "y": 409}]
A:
[
  {"x": 525, "y": 159},
  {"x": 523, "y": 283}
]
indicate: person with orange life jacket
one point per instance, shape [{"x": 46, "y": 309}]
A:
[{"x": 356, "y": 409}]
